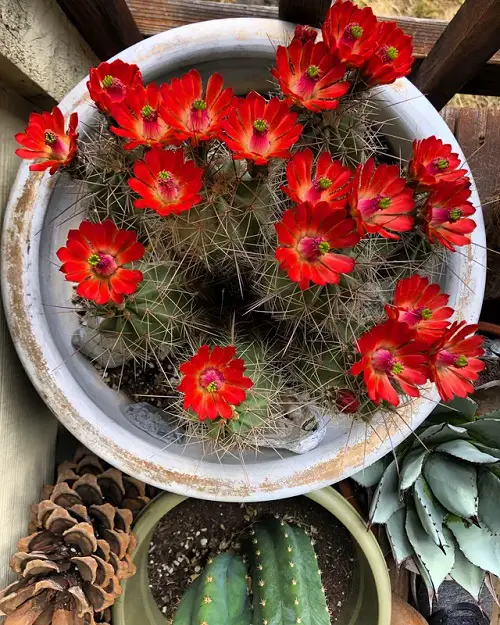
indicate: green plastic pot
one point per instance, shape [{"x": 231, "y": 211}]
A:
[{"x": 370, "y": 600}]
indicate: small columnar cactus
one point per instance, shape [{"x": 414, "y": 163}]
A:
[
  {"x": 286, "y": 580},
  {"x": 219, "y": 596},
  {"x": 438, "y": 498}
]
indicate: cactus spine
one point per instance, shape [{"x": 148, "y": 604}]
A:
[
  {"x": 286, "y": 581},
  {"x": 219, "y": 596}
]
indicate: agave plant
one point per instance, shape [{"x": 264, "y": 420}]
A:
[{"x": 438, "y": 497}]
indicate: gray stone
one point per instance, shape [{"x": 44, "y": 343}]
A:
[
  {"x": 155, "y": 422},
  {"x": 300, "y": 430}
]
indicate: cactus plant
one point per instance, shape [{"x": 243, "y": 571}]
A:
[
  {"x": 286, "y": 581},
  {"x": 219, "y": 596},
  {"x": 157, "y": 316},
  {"x": 438, "y": 497}
]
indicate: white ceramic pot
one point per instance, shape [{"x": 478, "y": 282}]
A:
[{"x": 37, "y": 297}]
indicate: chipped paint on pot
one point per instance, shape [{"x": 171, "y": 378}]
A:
[{"x": 40, "y": 213}]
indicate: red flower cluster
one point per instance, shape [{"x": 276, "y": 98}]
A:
[
  {"x": 446, "y": 212},
  {"x": 309, "y": 236},
  {"x": 94, "y": 257},
  {"x": 380, "y": 50},
  {"x": 417, "y": 344},
  {"x": 46, "y": 140},
  {"x": 213, "y": 382}
]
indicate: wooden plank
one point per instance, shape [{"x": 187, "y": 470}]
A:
[
  {"x": 495, "y": 617},
  {"x": 311, "y": 12},
  {"x": 106, "y": 25},
  {"x": 478, "y": 132},
  {"x": 161, "y": 15},
  {"x": 471, "y": 38}
]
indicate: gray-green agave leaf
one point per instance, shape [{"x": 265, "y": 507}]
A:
[
  {"x": 430, "y": 512},
  {"x": 386, "y": 499},
  {"x": 398, "y": 538},
  {"x": 370, "y": 476},
  {"x": 454, "y": 484},
  {"x": 486, "y": 429},
  {"x": 477, "y": 544},
  {"x": 436, "y": 562},
  {"x": 468, "y": 575},
  {"x": 466, "y": 451},
  {"x": 489, "y": 501},
  {"x": 412, "y": 468}
]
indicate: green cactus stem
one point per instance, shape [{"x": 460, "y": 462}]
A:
[
  {"x": 219, "y": 596},
  {"x": 286, "y": 580}
]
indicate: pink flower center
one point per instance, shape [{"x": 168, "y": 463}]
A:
[
  {"x": 439, "y": 165},
  {"x": 49, "y": 137},
  {"x": 313, "y": 72},
  {"x": 352, "y": 32},
  {"x": 103, "y": 264},
  {"x": 448, "y": 359},
  {"x": 259, "y": 141},
  {"x": 388, "y": 54},
  {"x": 114, "y": 87},
  {"x": 368, "y": 207},
  {"x": 383, "y": 360},
  {"x": 260, "y": 126},
  {"x": 311, "y": 248},
  {"x": 168, "y": 185},
  {"x": 211, "y": 380},
  {"x": 323, "y": 184},
  {"x": 199, "y": 105},
  {"x": 454, "y": 214},
  {"x": 199, "y": 119},
  {"x": 149, "y": 114}
]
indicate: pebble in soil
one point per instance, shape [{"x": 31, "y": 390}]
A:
[{"x": 195, "y": 531}]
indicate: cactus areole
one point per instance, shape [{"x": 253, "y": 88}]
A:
[{"x": 277, "y": 227}]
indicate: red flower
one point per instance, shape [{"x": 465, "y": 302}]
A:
[
  {"x": 433, "y": 162},
  {"x": 349, "y": 32},
  {"x": 260, "y": 130},
  {"x": 347, "y": 402},
  {"x": 94, "y": 257},
  {"x": 390, "y": 355},
  {"x": 45, "y": 138},
  {"x": 380, "y": 201},
  {"x": 330, "y": 181},
  {"x": 140, "y": 117},
  {"x": 446, "y": 213},
  {"x": 166, "y": 182},
  {"x": 305, "y": 33},
  {"x": 392, "y": 58},
  {"x": 308, "y": 236},
  {"x": 310, "y": 76},
  {"x": 422, "y": 306},
  {"x": 110, "y": 82},
  {"x": 213, "y": 382},
  {"x": 192, "y": 114},
  {"x": 454, "y": 362}
]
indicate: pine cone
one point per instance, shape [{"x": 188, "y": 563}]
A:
[{"x": 79, "y": 549}]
